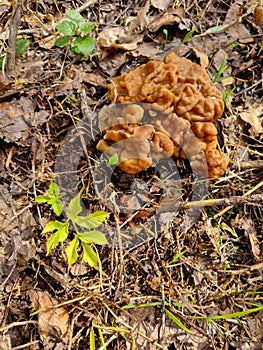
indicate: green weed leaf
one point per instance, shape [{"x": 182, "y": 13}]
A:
[
  {"x": 60, "y": 235},
  {"x": 74, "y": 207},
  {"x": 67, "y": 28},
  {"x": 75, "y": 17},
  {"x": 21, "y": 46},
  {"x": 85, "y": 45},
  {"x": 72, "y": 251},
  {"x": 177, "y": 321},
  {"x": 91, "y": 221},
  {"x": 52, "y": 199},
  {"x": 96, "y": 237},
  {"x": 86, "y": 27},
  {"x": 63, "y": 41},
  {"x": 188, "y": 36},
  {"x": 113, "y": 160},
  {"x": 54, "y": 189},
  {"x": 177, "y": 257},
  {"x": 89, "y": 256},
  {"x": 42, "y": 199},
  {"x": 92, "y": 339}
]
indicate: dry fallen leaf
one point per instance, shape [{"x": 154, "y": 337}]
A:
[
  {"x": 170, "y": 17},
  {"x": 161, "y": 4},
  {"x": 254, "y": 116},
  {"x": 248, "y": 226},
  {"x": 53, "y": 322},
  {"x": 118, "y": 38},
  {"x": 16, "y": 118}
]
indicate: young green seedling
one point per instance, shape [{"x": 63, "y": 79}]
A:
[
  {"x": 75, "y": 31},
  {"x": 83, "y": 227}
]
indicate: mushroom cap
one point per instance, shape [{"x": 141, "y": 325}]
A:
[
  {"x": 164, "y": 108},
  {"x": 175, "y": 84}
]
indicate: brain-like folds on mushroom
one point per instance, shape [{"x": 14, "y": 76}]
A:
[{"x": 163, "y": 109}]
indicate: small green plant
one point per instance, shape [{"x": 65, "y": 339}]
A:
[
  {"x": 113, "y": 160},
  {"x": 188, "y": 36},
  {"x": 21, "y": 47},
  {"x": 61, "y": 229},
  {"x": 226, "y": 94},
  {"x": 75, "y": 31},
  {"x": 165, "y": 32},
  {"x": 219, "y": 75}
]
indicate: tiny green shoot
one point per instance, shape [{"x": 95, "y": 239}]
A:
[
  {"x": 188, "y": 36},
  {"x": 219, "y": 75},
  {"x": 113, "y": 160},
  {"x": 21, "y": 46},
  {"x": 165, "y": 32},
  {"x": 177, "y": 257},
  {"x": 226, "y": 94}
]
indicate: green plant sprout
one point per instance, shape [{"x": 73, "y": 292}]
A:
[
  {"x": 226, "y": 94},
  {"x": 188, "y": 36},
  {"x": 219, "y": 75},
  {"x": 165, "y": 32},
  {"x": 75, "y": 31},
  {"x": 21, "y": 47},
  {"x": 60, "y": 229},
  {"x": 113, "y": 160}
]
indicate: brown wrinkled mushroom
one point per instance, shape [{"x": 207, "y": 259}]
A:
[
  {"x": 176, "y": 118},
  {"x": 175, "y": 84}
]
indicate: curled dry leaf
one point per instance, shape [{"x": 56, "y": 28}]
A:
[
  {"x": 253, "y": 115},
  {"x": 17, "y": 117},
  {"x": 169, "y": 17},
  {"x": 53, "y": 321},
  {"x": 161, "y": 4},
  {"x": 118, "y": 38}
]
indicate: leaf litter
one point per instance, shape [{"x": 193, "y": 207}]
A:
[{"x": 220, "y": 272}]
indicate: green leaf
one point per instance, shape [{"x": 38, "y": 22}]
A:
[
  {"x": 57, "y": 207},
  {"x": 177, "y": 257},
  {"x": 177, "y": 321},
  {"x": 75, "y": 17},
  {"x": 42, "y": 199},
  {"x": 85, "y": 45},
  {"x": 63, "y": 41},
  {"x": 72, "y": 251},
  {"x": 75, "y": 50},
  {"x": 188, "y": 36},
  {"x": 235, "y": 314},
  {"x": 113, "y": 160},
  {"x": 74, "y": 207},
  {"x": 96, "y": 237},
  {"x": 86, "y": 27},
  {"x": 60, "y": 235},
  {"x": 21, "y": 46},
  {"x": 91, "y": 221},
  {"x": 92, "y": 339},
  {"x": 89, "y": 256},
  {"x": 54, "y": 189},
  {"x": 67, "y": 28},
  {"x": 57, "y": 225}
]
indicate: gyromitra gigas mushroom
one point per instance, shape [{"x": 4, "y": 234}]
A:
[{"x": 163, "y": 108}]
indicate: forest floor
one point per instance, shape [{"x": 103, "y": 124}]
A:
[{"x": 197, "y": 283}]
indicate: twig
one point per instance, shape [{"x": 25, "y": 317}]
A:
[
  {"x": 11, "y": 51},
  {"x": 17, "y": 324},
  {"x": 86, "y": 5}
]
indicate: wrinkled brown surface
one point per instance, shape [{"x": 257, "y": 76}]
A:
[
  {"x": 183, "y": 91},
  {"x": 175, "y": 84},
  {"x": 142, "y": 136}
]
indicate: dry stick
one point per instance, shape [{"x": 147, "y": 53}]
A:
[{"x": 11, "y": 51}]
